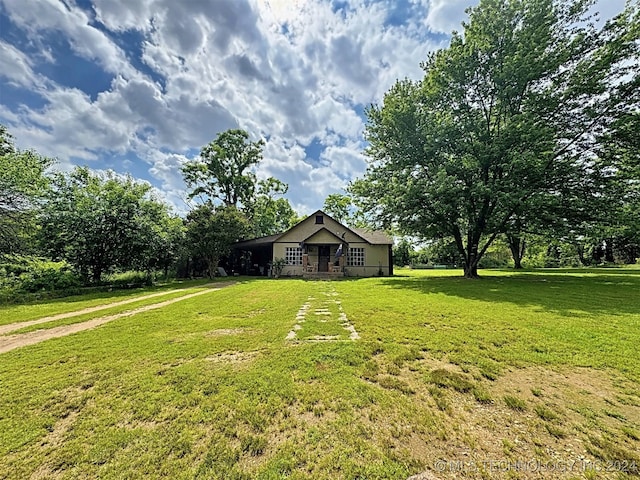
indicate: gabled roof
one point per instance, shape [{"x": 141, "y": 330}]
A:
[
  {"x": 320, "y": 212},
  {"x": 337, "y": 237},
  {"x": 374, "y": 237}
]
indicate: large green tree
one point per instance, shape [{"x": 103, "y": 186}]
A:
[
  {"x": 347, "y": 210},
  {"x": 621, "y": 149},
  {"x": 22, "y": 183},
  {"x": 338, "y": 206},
  {"x": 211, "y": 232},
  {"x": 225, "y": 174},
  {"x": 224, "y": 170},
  {"x": 503, "y": 123},
  {"x": 269, "y": 212},
  {"x": 99, "y": 223}
]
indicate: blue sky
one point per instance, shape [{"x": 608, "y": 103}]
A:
[{"x": 139, "y": 86}]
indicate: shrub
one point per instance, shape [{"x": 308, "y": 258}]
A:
[
  {"x": 130, "y": 279},
  {"x": 278, "y": 266},
  {"x": 25, "y": 274}
]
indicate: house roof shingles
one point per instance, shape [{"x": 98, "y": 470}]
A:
[
  {"x": 256, "y": 242},
  {"x": 374, "y": 237}
]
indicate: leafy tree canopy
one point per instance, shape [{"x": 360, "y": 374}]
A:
[
  {"x": 224, "y": 170},
  {"x": 211, "y": 232},
  {"x": 224, "y": 173},
  {"x": 338, "y": 206},
  {"x": 346, "y": 210},
  {"x": 22, "y": 183},
  {"x": 99, "y": 223},
  {"x": 504, "y": 123}
]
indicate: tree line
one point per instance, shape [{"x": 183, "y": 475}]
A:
[
  {"x": 92, "y": 224},
  {"x": 522, "y": 136}
]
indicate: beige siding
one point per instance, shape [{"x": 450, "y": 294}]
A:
[
  {"x": 308, "y": 227},
  {"x": 313, "y": 253},
  {"x": 279, "y": 250},
  {"x": 323, "y": 237},
  {"x": 376, "y": 257}
]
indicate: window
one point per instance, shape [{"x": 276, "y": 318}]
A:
[
  {"x": 355, "y": 257},
  {"x": 293, "y": 255},
  {"x": 319, "y": 219}
]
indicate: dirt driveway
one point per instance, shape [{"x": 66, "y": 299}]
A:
[{"x": 11, "y": 342}]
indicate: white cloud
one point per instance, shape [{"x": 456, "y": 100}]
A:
[
  {"x": 15, "y": 66},
  {"x": 290, "y": 71},
  {"x": 85, "y": 40},
  {"x": 347, "y": 161},
  {"x": 123, "y": 15},
  {"x": 447, "y": 15},
  {"x": 232, "y": 64}
]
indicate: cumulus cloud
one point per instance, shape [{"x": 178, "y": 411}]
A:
[
  {"x": 123, "y": 15},
  {"x": 447, "y": 15},
  {"x": 293, "y": 72},
  {"x": 290, "y": 71},
  {"x": 74, "y": 23},
  {"x": 15, "y": 66}
]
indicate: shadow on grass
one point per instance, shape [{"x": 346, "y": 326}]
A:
[{"x": 569, "y": 292}]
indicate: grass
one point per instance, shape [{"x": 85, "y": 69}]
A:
[
  {"x": 546, "y": 413},
  {"x": 515, "y": 403},
  {"x": 166, "y": 296},
  {"x": 22, "y": 313},
  {"x": 210, "y": 387}
]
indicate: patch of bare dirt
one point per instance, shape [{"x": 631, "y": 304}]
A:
[
  {"x": 232, "y": 357},
  {"x": 574, "y": 422},
  {"x": 11, "y": 342},
  {"x": 221, "y": 332},
  {"x": 51, "y": 442}
]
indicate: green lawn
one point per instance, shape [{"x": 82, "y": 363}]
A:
[
  {"x": 44, "y": 308},
  {"x": 107, "y": 306},
  {"x": 516, "y": 367}
]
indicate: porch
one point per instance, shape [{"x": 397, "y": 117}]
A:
[
  {"x": 320, "y": 270},
  {"x": 323, "y": 261}
]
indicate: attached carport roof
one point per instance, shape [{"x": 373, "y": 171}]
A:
[{"x": 257, "y": 242}]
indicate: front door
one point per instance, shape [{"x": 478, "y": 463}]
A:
[{"x": 323, "y": 258}]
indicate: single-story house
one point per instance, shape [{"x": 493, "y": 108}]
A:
[{"x": 320, "y": 246}]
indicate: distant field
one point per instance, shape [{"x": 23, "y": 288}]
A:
[{"x": 517, "y": 375}]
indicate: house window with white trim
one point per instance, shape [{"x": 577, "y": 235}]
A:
[
  {"x": 355, "y": 257},
  {"x": 293, "y": 255}
]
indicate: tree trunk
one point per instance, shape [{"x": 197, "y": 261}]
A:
[
  {"x": 580, "y": 250},
  {"x": 471, "y": 263},
  {"x": 469, "y": 255},
  {"x": 97, "y": 274},
  {"x": 212, "y": 266},
  {"x": 471, "y": 270},
  {"x": 517, "y": 246},
  {"x": 608, "y": 252}
]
